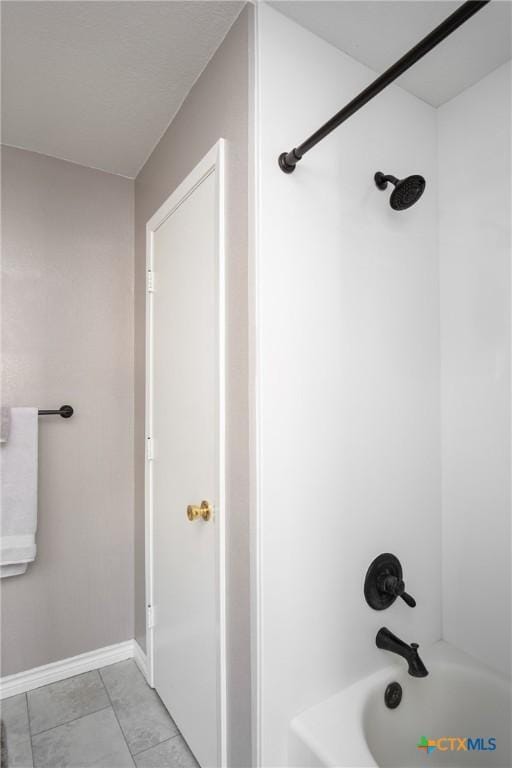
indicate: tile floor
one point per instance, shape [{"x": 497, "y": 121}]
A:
[{"x": 108, "y": 718}]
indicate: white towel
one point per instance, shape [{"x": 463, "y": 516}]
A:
[{"x": 18, "y": 516}]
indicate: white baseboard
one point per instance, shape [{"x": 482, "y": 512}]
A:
[
  {"x": 140, "y": 659},
  {"x": 21, "y": 682}
]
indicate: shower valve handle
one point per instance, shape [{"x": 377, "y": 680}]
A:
[
  {"x": 394, "y": 586},
  {"x": 408, "y": 599},
  {"x": 384, "y": 582}
]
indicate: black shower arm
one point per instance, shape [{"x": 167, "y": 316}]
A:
[{"x": 288, "y": 160}]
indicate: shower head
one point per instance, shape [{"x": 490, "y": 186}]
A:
[{"x": 406, "y": 192}]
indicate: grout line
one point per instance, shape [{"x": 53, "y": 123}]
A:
[
  {"x": 68, "y": 722},
  {"x": 104, "y": 686},
  {"x": 28, "y": 713},
  {"x": 175, "y": 736},
  {"x": 116, "y": 717},
  {"x": 29, "y": 730}
]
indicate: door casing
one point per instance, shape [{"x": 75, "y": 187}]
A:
[{"x": 213, "y": 161}]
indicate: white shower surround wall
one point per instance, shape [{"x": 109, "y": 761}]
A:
[
  {"x": 474, "y": 249},
  {"x": 347, "y": 375}
]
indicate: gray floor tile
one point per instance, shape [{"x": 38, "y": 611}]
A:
[
  {"x": 142, "y": 716},
  {"x": 93, "y": 741},
  {"x": 17, "y": 734},
  {"x": 66, "y": 700},
  {"x": 171, "y": 754}
]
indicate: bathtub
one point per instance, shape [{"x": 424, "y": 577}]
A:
[{"x": 459, "y": 699}]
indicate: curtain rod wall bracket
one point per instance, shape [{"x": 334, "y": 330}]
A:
[{"x": 288, "y": 160}]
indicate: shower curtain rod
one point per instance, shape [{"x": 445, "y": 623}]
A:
[{"x": 288, "y": 160}]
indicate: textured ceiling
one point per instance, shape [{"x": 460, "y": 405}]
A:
[
  {"x": 98, "y": 83},
  {"x": 378, "y": 32}
]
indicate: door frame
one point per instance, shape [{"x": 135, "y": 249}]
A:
[{"x": 213, "y": 161}]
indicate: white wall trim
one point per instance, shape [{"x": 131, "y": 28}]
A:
[
  {"x": 10, "y": 685},
  {"x": 255, "y": 516}
]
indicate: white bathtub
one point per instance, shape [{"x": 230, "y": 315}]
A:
[{"x": 460, "y": 698}]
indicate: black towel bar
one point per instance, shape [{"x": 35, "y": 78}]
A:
[{"x": 66, "y": 411}]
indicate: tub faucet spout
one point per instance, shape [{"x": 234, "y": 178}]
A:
[{"x": 389, "y": 642}]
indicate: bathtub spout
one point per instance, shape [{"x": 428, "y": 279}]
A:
[{"x": 390, "y": 642}]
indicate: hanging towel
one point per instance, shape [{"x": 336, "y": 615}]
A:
[
  {"x": 18, "y": 515},
  {"x": 5, "y": 423}
]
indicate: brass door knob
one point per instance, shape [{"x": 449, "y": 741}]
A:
[{"x": 205, "y": 511}]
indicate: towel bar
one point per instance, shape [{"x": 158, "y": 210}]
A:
[{"x": 66, "y": 411}]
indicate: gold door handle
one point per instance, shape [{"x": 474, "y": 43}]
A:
[{"x": 205, "y": 511}]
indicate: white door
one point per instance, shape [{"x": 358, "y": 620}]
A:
[{"x": 186, "y": 458}]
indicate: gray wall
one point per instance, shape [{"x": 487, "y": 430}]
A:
[
  {"x": 68, "y": 338},
  {"x": 216, "y": 107}
]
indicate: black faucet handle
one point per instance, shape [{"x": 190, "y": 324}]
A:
[
  {"x": 395, "y": 586},
  {"x": 406, "y": 597},
  {"x": 409, "y": 599}
]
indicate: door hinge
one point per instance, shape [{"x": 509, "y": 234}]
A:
[
  {"x": 150, "y": 281},
  {"x": 150, "y": 616},
  {"x": 149, "y": 449}
]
